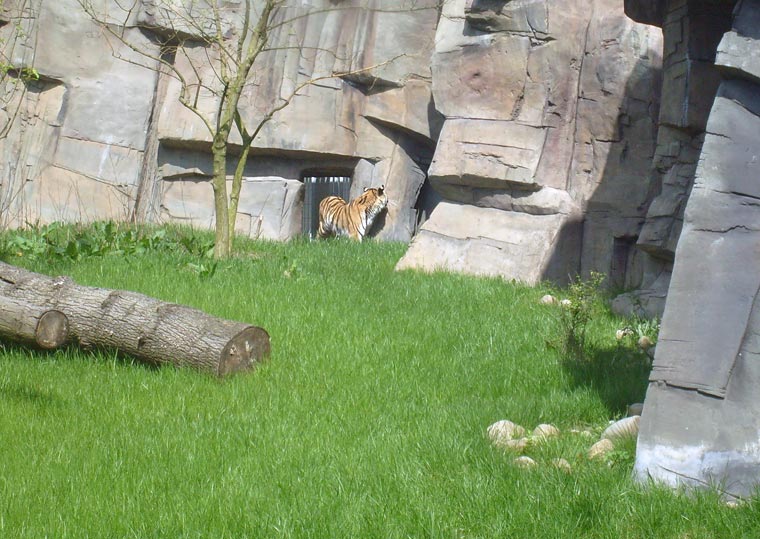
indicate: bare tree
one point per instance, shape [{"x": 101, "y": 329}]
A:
[
  {"x": 15, "y": 73},
  {"x": 230, "y": 38}
]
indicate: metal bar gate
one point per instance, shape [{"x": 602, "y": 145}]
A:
[{"x": 317, "y": 188}]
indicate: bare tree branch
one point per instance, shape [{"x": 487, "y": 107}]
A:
[{"x": 213, "y": 52}]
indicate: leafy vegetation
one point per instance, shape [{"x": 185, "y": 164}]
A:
[
  {"x": 57, "y": 242},
  {"x": 368, "y": 421},
  {"x": 582, "y": 304}
]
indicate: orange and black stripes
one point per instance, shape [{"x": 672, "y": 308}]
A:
[{"x": 353, "y": 220}]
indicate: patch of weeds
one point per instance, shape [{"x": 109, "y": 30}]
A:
[
  {"x": 649, "y": 327},
  {"x": 293, "y": 271},
  {"x": 640, "y": 335},
  {"x": 35, "y": 243},
  {"x": 624, "y": 454},
  {"x": 197, "y": 245},
  {"x": 59, "y": 242},
  {"x": 18, "y": 245},
  {"x": 584, "y": 302},
  {"x": 204, "y": 270}
]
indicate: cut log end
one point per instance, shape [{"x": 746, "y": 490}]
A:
[
  {"x": 244, "y": 350},
  {"x": 52, "y": 330}
]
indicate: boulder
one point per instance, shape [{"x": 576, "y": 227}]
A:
[{"x": 485, "y": 241}]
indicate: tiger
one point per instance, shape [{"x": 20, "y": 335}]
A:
[{"x": 354, "y": 219}]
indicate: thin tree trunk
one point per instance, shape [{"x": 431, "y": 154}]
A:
[
  {"x": 237, "y": 183},
  {"x": 222, "y": 247},
  {"x": 143, "y": 327},
  {"x": 234, "y": 80}
]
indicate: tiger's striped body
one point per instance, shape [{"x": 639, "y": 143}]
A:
[{"x": 354, "y": 219}]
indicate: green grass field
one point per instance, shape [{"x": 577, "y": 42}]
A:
[{"x": 368, "y": 420}]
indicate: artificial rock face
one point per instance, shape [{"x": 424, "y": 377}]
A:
[
  {"x": 550, "y": 114},
  {"x": 529, "y": 124},
  {"x": 75, "y": 138},
  {"x": 690, "y": 79},
  {"x": 102, "y": 134},
  {"x": 701, "y": 416}
]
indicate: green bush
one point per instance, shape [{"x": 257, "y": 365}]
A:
[{"x": 584, "y": 301}]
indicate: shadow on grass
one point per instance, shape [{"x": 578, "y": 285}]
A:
[
  {"x": 618, "y": 375},
  {"x": 27, "y": 394},
  {"x": 72, "y": 351}
]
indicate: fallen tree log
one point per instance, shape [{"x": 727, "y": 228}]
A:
[
  {"x": 141, "y": 326},
  {"x": 32, "y": 324}
]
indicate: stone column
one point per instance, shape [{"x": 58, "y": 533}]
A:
[
  {"x": 691, "y": 32},
  {"x": 701, "y": 419}
]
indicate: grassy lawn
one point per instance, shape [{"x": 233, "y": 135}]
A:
[{"x": 368, "y": 421}]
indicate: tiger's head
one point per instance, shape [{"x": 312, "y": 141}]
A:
[{"x": 372, "y": 201}]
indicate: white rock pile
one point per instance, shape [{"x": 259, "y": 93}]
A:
[{"x": 510, "y": 436}]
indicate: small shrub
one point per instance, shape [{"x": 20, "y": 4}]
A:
[
  {"x": 197, "y": 245},
  {"x": 582, "y": 305},
  {"x": 203, "y": 270}
]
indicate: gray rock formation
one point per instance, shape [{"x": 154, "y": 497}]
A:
[
  {"x": 550, "y": 118},
  {"x": 102, "y": 134},
  {"x": 701, "y": 416},
  {"x": 691, "y": 32},
  {"x": 77, "y": 140}
]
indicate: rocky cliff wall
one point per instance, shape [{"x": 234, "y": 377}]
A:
[
  {"x": 102, "y": 134},
  {"x": 701, "y": 421},
  {"x": 522, "y": 133},
  {"x": 691, "y": 33},
  {"x": 77, "y": 136},
  {"x": 550, "y": 122}
]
